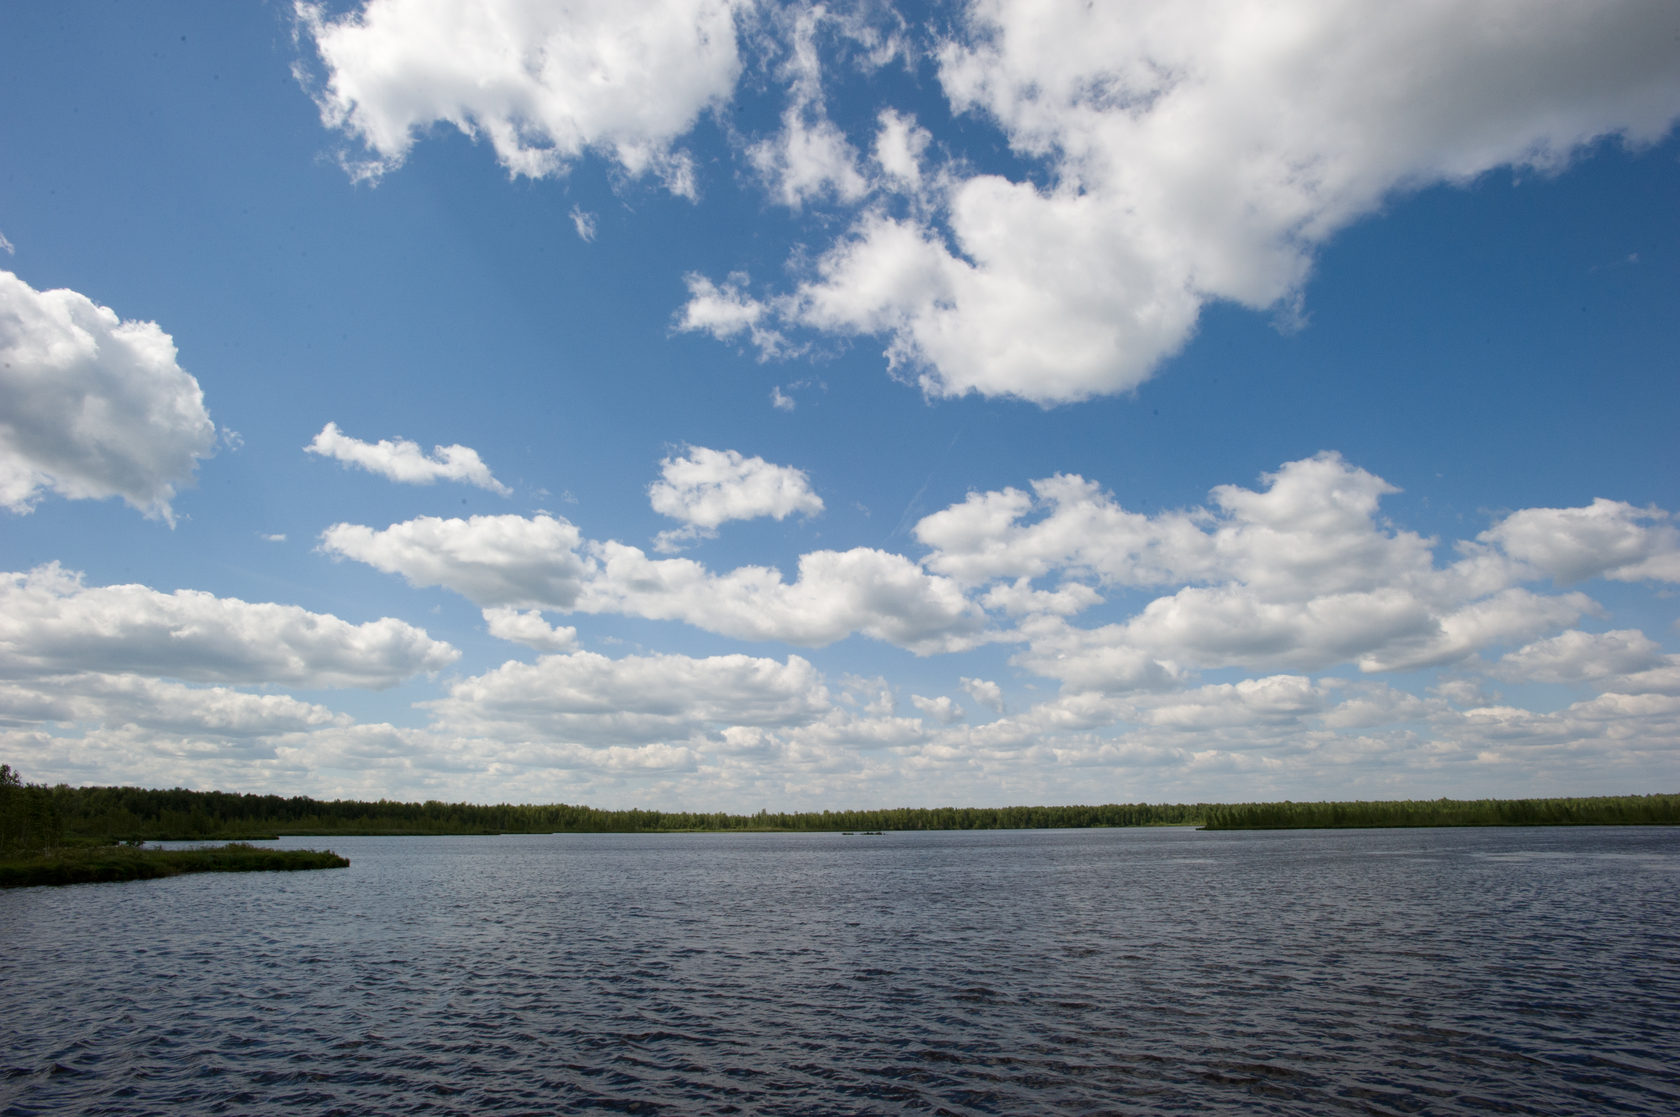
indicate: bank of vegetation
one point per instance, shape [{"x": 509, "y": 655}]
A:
[
  {"x": 39, "y": 844},
  {"x": 1604, "y": 810},
  {"x": 91, "y": 864},
  {"x": 116, "y": 814}
]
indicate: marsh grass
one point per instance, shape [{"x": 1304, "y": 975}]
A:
[{"x": 87, "y": 865}]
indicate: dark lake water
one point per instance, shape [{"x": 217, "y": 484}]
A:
[{"x": 1048, "y": 972}]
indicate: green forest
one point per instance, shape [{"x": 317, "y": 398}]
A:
[{"x": 36, "y": 816}]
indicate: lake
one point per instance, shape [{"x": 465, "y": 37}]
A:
[{"x": 994, "y": 972}]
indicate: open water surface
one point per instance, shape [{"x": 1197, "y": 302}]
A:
[{"x": 1025, "y": 972}]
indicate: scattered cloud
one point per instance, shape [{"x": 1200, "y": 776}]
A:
[
  {"x": 941, "y": 709},
  {"x": 403, "y": 461},
  {"x": 584, "y": 223},
  {"x": 984, "y": 692},
  {"x": 705, "y": 488},
  {"x": 1185, "y": 157},
  {"x": 637, "y": 700},
  {"x": 864, "y": 591},
  {"x": 809, "y": 159},
  {"x": 53, "y": 624},
  {"x": 91, "y": 406},
  {"x": 543, "y": 83},
  {"x": 492, "y": 561},
  {"x": 1607, "y": 538},
  {"x": 528, "y": 627}
]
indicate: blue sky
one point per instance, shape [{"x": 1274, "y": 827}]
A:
[{"x": 727, "y": 405}]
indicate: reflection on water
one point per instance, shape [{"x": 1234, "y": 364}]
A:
[{"x": 1123, "y": 971}]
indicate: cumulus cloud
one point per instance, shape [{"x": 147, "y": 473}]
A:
[
  {"x": 91, "y": 406},
  {"x": 159, "y": 706},
  {"x": 705, "y": 488},
  {"x": 809, "y": 158},
  {"x": 1300, "y": 574},
  {"x": 492, "y": 561},
  {"x": 636, "y": 700},
  {"x": 1202, "y": 152},
  {"x": 403, "y": 461},
  {"x": 1607, "y": 538},
  {"x": 53, "y": 624},
  {"x": 544, "y": 83},
  {"x": 1615, "y": 658},
  {"x": 837, "y": 593},
  {"x": 941, "y": 709},
  {"x": 528, "y": 627},
  {"x": 727, "y": 311},
  {"x": 985, "y": 692},
  {"x": 542, "y": 563},
  {"x": 1312, "y": 530}
]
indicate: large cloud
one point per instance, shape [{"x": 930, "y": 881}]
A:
[
  {"x": 1606, "y": 538},
  {"x": 1299, "y": 575},
  {"x": 837, "y": 593},
  {"x": 1192, "y": 152},
  {"x": 52, "y": 624},
  {"x": 159, "y": 706},
  {"x": 543, "y": 81},
  {"x": 493, "y": 561},
  {"x": 541, "y": 563},
  {"x": 92, "y": 406},
  {"x": 636, "y": 700}
]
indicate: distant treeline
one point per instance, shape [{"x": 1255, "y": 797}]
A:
[
  {"x": 1606, "y": 810},
  {"x": 127, "y": 813},
  {"x": 33, "y": 816}
]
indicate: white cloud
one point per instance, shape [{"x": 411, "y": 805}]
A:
[
  {"x": 941, "y": 709},
  {"x": 1311, "y": 531},
  {"x": 1575, "y": 656},
  {"x": 543, "y": 82},
  {"x": 705, "y": 488},
  {"x": 542, "y": 563},
  {"x": 1298, "y": 575},
  {"x": 584, "y": 223},
  {"x": 637, "y": 700},
  {"x": 490, "y": 560},
  {"x": 899, "y": 148},
  {"x": 529, "y": 628},
  {"x": 6, "y": 246},
  {"x": 52, "y": 624},
  {"x": 403, "y": 461},
  {"x": 985, "y": 692},
  {"x": 1204, "y": 151},
  {"x": 727, "y": 311},
  {"x": 159, "y": 706},
  {"x": 1275, "y": 698},
  {"x": 92, "y": 407},
  {"x": 1607, "y": 538},
  {"x": 780, "y": 400},
  {"x": 837, "y": 593},
  {"x": 810, "y": 158}
]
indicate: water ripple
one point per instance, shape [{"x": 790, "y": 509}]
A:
[{"x": 1093, "y": 972}]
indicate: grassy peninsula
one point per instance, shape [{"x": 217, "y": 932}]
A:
[
  {"x": 36, "y": 847},
  {"x": 90, "y": 864}
]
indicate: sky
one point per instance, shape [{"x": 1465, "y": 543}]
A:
[{"x": 721, "y": 405}]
